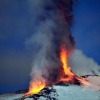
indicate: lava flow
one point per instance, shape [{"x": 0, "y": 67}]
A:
[{"x": 67, "y": 75}]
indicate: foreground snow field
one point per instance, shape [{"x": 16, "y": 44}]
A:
[{"x": 71, "y": 92}]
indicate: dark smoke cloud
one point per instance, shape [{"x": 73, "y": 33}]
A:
[{"x": 53, "y": 18}]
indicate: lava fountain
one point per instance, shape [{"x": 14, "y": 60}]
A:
[
  {"x": 68, "y": 75},
  {"x": 36, "y": 86}
]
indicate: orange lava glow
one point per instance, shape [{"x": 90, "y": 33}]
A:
[
  {"x": 69, "y": 76},
  {"x": 36, "y": 86},
  {"x": 64, "y": 59},
  {"x": 66, "y": 69}
]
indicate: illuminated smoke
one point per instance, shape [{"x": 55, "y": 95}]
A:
[{"x": 53, "y": 19}]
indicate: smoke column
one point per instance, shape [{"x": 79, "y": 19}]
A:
[{"x": 54, "y": 18}]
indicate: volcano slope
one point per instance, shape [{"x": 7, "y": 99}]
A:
[{"x": 62, "y": 92}]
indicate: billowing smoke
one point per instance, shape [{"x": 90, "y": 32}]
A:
[
  {"x": 53, "y": 19},
  {"x": 83, "y": 65}
]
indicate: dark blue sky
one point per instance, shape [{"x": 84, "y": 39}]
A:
[
  {"x": 17, "y": 25},
  {"x": 86, "y": 28}
]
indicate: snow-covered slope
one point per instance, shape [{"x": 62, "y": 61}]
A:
[
  {"x": 71, "y": 92},
  {"x": 94, "y": 79}
]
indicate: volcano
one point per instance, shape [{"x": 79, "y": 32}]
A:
[{"x": 66, "y": 76}]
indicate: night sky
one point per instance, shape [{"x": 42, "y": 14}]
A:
[{"x": 17, "y": 25}]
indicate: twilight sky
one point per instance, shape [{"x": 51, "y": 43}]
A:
[{"x": 16, "y": 26}]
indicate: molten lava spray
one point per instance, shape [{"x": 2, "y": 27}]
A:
[
  {"x": 64, "y": 59},
  {"x": 52, "y": 37},
  {"x": 36, "y": 86},
  {"x": 66, "y": 69},
  {"x": 69, "y": 76}
]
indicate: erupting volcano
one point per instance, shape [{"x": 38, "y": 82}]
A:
[
  {"x": 53, "y": 45},
  {"x": 44, "y": 44},
  {"x": 66, "y": 75}
]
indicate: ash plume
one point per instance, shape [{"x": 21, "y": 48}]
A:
[
  {"x": 53, "y": 19},
  {"x": 83, "y": 65}
]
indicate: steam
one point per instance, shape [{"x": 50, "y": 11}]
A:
[
  {"x": 53, "y": 18},
  {"x": 83, "y": 65}
]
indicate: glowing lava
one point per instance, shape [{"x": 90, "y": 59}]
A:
[
  {"x": 68, "y": 75},
  {"x": 36, "y": 86},
  {"x": 64, "y": 59}
]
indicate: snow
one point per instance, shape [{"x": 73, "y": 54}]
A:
[
  {"x": 94, "y": 79},
  {"x": 64, "y": 93},
  {"x": 76, "y": 93},
  {"x": 10, "y": 96},
  {"x": 71, "y": 92}
]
